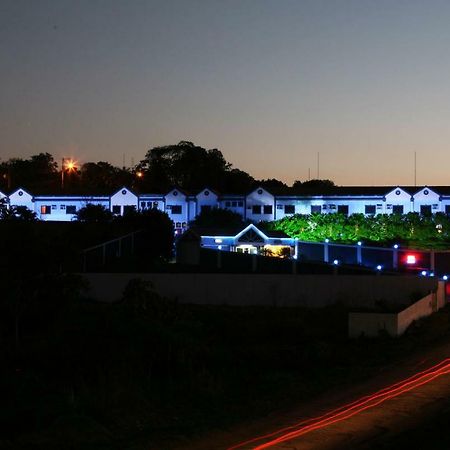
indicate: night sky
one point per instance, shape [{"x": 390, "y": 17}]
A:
[{"x": 269, "y": 83}]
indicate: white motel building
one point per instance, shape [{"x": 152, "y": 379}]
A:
[{"x": 258, "y": 205}]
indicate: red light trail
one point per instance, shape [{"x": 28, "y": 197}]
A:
[{"x": 349, "y": 410}]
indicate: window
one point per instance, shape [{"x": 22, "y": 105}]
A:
[
  {"x": 343, "y": 209},
  {"x": 240, "y": 203},
  {"x": 70, "y": 209},
  {"x": 46, "y": 209},
  {"x": 177, "y": 209},
  {"x": 205, "y": 208},
  {"x": 54, "y": 207},
  {"x": 234, "y": 204},
  {"x": 256, "y": 209},
  {"x": 227, "y": 204},
  {"x": 153, "y": 205},
  {"x": 62, "y": 207},
  {"x": 370, "y": 209},
  {"x": 316, "y": 209},
  {"x": 143, "y": 205},
  {"x": 116, "y": 209},
  {"x": 425, "y": 210},
  {"x": 289, "y": 209},
  {"x": 267, "y": 209},
  {"x": 397, "y": 209},
  {"x": 447, "y": 209},
  {"x": 128, "y": 209},
  {"x": 178, "y": 225}
]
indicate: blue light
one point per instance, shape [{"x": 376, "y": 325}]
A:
[
  {"x": 431, "y": 274},
  {"x": 379, "y": 267},
  {"x": 327, "y": 240},
  {"x": 359, "y": 243},
  {"x": 423, "y": 273},
  {"x": 335, "y": 262},
  {"x": 395, "y": 245},
  {"x": 445, "y": 277}
]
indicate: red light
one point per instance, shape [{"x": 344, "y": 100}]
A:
[
  {"x": 349, "y": 410},
  {"x": 411, "y": 259}
]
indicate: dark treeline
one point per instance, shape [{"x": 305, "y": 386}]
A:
[{"x": 188, "y": 166}]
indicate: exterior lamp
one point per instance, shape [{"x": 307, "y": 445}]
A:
[
  {"x": 445, "y": 277},
  {"x": 423, "y": 273},
  {"x": 336, "y": 262},
  {"x": 67, "y": 165},
  {"x": 359, "y": 243},
  {"x": 139, "y": 174},
  {"x": 379, "y": 267},
  {"x": 395, "y": 246}
]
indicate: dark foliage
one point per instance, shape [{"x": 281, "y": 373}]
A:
[{"x": 218, "y": 218}]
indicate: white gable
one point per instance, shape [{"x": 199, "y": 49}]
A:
[
  {"x": 124, "y": 197},
  {"x": 398, "y": 195},
  {"x": 426, "y": 195},
  {"x": 21, "y": 197},
  {"x": 260, "y": 195},
  {"x": 175, "y": 195},
  {"x": 251, "y": 227}
]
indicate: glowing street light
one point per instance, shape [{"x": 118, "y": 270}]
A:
[
  {"x": 68, "y": 165},
  {"x": 139, "y": 174}
]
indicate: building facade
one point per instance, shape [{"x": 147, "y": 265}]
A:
[{"x": 256, "y": 206}]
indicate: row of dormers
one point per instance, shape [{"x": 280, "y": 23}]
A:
[{"x": 258, "y": 205}]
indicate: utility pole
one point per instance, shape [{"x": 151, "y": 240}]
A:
[
  {"x": 62, "y": 174},
  {"x": 415, "y": 168},
  {"x": 318, "y": 165}
]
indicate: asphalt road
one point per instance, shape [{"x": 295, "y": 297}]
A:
[{"x": 393, "y": 403}]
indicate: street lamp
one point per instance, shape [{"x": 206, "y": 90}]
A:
[{"x": 68, "y": 165}]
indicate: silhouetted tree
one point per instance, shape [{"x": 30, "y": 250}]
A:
[
  {"x": 313, "y": 186},
  {"x": 218, "y": 217},
  {"x": 39, "y": 173},
  {"x": 94, "y": 214},
  {"x": 274, "y": 186}
]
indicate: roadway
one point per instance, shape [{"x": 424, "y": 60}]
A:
[{"x": 396, "y": 399}]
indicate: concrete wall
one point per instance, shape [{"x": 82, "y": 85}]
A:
[
  {"x": 267, "y": 289},
  {"x": 395, "y": 324}
]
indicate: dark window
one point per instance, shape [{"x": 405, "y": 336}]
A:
[
  {"x": 234, "y": 204},
  {"x": 267, "y": 209},
  {"x": 71, "y": 209},
  {"x": 343, "y": 209},
  {"x": 116, "y": 209},
  {"x": 289, "y": 209},
  {"x": 316, "y": 209},
  {"x": 46, "y": 209},
  {"x": 143, "y": 205},
  {"x": 177, "y": 209},
  {"x": 62, "y": 207},
  {"x": 370, "y": 209},
  {"x": 154, "y": 205},
  {"x": 227, "y": 204},
  {"x": 240, "y": 203},
  {"x": 447, "y": 209},
  {"x": 256, "y": 209},
  {"x": 205, "y": 208},
  {"x": 128, "y": 209},
  {"x": 178, "y": 225},
  {"x": 397, "y": 209},
  {"x": 425, "y": 210}
]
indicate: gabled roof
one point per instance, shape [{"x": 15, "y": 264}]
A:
[
  {"x": 124, "y": 188},
  {"x": 235, "y": 232}
]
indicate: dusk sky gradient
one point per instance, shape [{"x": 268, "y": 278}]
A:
[{"x": 269, "y": 83}]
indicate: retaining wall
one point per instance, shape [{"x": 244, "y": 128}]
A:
[
  {"x": 268, "y": 289},
  {"x": 395, "y": 324}
]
